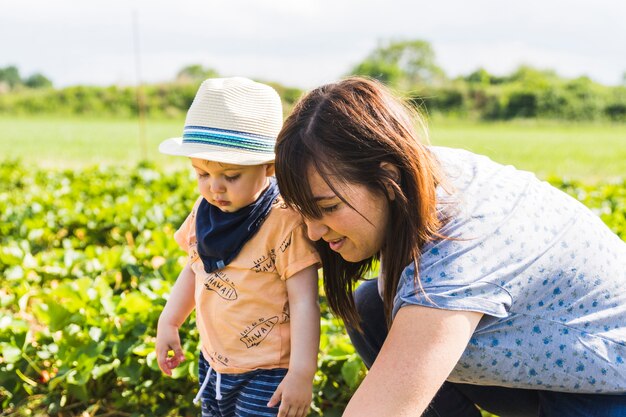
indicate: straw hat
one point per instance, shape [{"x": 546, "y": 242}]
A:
[{"x": 231, "y": 120}]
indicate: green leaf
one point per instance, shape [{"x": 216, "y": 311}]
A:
[
  {"x": 14, "y": 273},
  {"x": 68, "y": 296},
  {"x": 342, "y": 349},
  {"x": 134, "y": 303},
  {"x": 11, "y": 255},
  {"x": 95, "y": 333},
  {"x": 351, "y": 371},
  {"x": 100, "y": 370},
  {"x": 79, "y": 391},
  {"x": 130, "y": 372},
  {"x": 181, "y": 371},
  {"x": 143, "y": 349},
  {"x": 76, "y": 377},
  {"x": 10, "y": 353}
]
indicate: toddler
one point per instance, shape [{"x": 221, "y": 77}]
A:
[{"x": 251, "y": 273}]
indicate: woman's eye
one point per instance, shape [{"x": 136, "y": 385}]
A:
[
  {"x": 232, "y": 178},
  {"x": 329, "y": 209}
]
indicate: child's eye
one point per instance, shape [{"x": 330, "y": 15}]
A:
[
  {"x": 232, "y": 178},
  {"x": 202, "y": 174}
]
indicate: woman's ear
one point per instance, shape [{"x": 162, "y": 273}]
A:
[
  {"x": 394, "y": 174},
  {"x": 270, "y": 170}
]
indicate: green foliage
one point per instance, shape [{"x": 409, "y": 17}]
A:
[
  {"x": 195, "y": 73},
  {"x": 526, "y": 93},
  {"x": 480, "y": 77},
  {"x": 401, "y": 64},
  {"x": 163, "y": 100},
  {"x": 450, "y": 100},
  {"x": 37, "y": 80},
  {"x": 10, "y": 76},
  {"x": 87, "y": 260},
  {"x": 170, "y": 100},
  {"x": 408, "y": 66},
  {"x": 84, "y": 262},
  {"x": 607, "y": 201}
]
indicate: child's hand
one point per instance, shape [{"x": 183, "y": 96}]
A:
[
  {"x": 168, "y": 339},
  {"x": 294, "y": 394}
]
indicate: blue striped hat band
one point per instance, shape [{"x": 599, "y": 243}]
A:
[{"x": 228, "y": 138}]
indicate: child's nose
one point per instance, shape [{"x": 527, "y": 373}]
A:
[{"x": 217, "y": 186}]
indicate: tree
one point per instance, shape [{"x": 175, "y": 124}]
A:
[
  {"x": 11, "y": 76},
  {"x": 37, "y": 80},
  {"x": 402, "y": 64},
  {"x": 480, "y": 76},
  {"x": 195, "y": 73}
]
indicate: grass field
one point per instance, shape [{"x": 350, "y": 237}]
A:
[{"x": 587, "y": 152}]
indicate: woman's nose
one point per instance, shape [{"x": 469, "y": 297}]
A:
[{"x": 315, "y": 229}]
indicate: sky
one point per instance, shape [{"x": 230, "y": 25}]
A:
[{"x": 304, "y": 43}]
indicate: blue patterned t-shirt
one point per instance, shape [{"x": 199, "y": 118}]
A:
[{"x": 548, "y": 275}]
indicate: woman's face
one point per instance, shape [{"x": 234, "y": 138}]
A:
[{"x": 355, "y": 234}]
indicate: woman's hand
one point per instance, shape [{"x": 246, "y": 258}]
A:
[{"x": 294, "y": 394}]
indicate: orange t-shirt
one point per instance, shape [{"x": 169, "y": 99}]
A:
[{"x": 242, "y": 310}]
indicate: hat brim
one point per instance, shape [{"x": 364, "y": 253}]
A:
[{"x": 175, "y": 146}]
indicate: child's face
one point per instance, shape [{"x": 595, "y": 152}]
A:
[{"x": 231, "y": 187}]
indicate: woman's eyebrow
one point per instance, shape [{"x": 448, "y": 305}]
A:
[{"x": 320, "y": 198}]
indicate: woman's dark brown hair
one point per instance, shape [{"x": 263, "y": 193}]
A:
[{"x": 345, "y": 131}]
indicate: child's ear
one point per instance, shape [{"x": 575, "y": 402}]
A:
[{"x": 270, "y": 170}]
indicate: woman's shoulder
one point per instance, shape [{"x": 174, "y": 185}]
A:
[{"x": 475, "y": 178}]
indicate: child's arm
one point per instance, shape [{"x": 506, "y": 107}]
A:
[
  {"x": 295, "y": 391},
  {"x": 174, "y": 314}
]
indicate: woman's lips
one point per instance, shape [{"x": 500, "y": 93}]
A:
[{"x": 336, "y": 244}]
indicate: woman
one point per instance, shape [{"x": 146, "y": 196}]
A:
[{"x": 495, "y": 288}]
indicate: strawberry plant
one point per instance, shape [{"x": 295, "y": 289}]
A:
[{"x": 87, "y": 260}]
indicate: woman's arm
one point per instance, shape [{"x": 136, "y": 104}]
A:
[
  {"x": 423, "y": 346},
  {"x": 296, "y": 390}
]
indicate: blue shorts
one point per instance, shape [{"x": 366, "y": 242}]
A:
[{"x": 242, "y": 395}]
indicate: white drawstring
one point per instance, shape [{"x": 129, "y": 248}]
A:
[
  {"x": 203, "y": 386},
  {"x": 218, "y": 388}
]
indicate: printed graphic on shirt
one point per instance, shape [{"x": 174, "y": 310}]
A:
[
  {"x": 266, "y": 263},
  {"x": 285, "y": 318},
  {"x": 193, "y": 252},
  {"x": 285, "y": 245},
  {"x": 258, "y": 331},
  {"x": 218, "y": 357},
  {"x": 218, "y": 282}
]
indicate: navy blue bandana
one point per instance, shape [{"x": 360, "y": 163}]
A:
[{"x": 221, "y": 235}]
